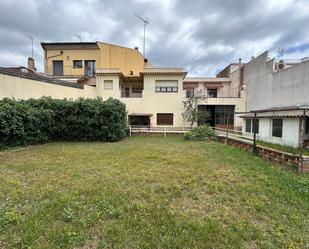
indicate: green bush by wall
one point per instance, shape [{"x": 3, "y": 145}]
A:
[
  {"x": 39, "y": 120},
  {"x": 200, "y": 133}
]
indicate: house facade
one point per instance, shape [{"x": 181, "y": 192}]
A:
[
  {"x": 279, "y": 93},
  {"x": 153, "y": 96}
]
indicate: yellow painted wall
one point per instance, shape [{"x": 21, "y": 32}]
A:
[
  {"x": 125, "y": 59},
  {"x": 106, "y": 56},
  {"x": 68, "y": 56}
]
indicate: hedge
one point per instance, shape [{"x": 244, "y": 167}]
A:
[{"x": 40, "y": 120}]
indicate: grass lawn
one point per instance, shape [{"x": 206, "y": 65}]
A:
[{"x": 149, "y": 192}]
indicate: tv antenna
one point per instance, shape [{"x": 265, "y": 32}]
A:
[
  {"x": 281, "y": 52},
  {"x": 78, "y": 37},
  {"x": 31, "y": 38},
  {"x": 146, "y": 22}
]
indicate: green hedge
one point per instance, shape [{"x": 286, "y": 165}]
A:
[
  {"x": 39, "y": 120},
  {"x": 200, "y": 133}
]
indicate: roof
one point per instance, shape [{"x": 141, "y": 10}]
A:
[
  {"x": 27, "y": 73},
  {"x": 279, "y": 112},
  {"x": 164, "y": 71},
  {"x": 63, "y": 45},
  {"x": 206, "y": 79}
]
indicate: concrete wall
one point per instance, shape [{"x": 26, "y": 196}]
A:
[
  {"x": 22, "y": 88},
  {"x": 290, "y": 131},
  {"x": 267, "y": 88}
]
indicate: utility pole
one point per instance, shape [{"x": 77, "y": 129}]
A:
[{"x": 146, "y": 22}]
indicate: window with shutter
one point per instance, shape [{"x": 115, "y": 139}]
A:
[{"x": 165, "y": 118}]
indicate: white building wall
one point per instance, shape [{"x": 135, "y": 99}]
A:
[
  {"x": 290, "y": 131},
  {"x": 22, "y": 88}
]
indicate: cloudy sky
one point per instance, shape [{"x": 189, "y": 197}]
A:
[{"x": 202, "y": 36}]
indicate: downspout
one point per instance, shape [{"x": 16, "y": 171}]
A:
[{"x": 239, "y": 68}]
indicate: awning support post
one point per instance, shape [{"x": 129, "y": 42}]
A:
[
  {"x": 302, "y": 129},
  {"x": 254, "y": 134}
]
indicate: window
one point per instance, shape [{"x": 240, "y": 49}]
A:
[
  {"x": 57, "y": 68},
  {"x": 166, "y": 86},
  {"x": 307, "y": 125},
  {"x": 277, "y": 127},
  {"x": 108, "y": 84},
  {"x": 224, "y": 115},
  {"x": 248, "y": 125},
  {"x": 77, "y": 64},
  {"x": 165, "y": 118},
  {"x": 90, "y": 69},
  {"x": 189, "y": 93},
  {"x": 212, "y": 93}
]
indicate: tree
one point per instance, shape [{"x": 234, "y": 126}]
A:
[{"x": 191, "y": 112}]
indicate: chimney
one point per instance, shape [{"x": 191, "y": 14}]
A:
[
  {"x": 239, "y": 79},
  {"x": 31, "y": 64}
]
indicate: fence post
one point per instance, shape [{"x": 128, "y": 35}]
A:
[
  {"x": 254, "y": 135},
  {"x": 164, "y": 132},
  {"x": 130, "y": 130},
  {"x": 226, "y": 136}
]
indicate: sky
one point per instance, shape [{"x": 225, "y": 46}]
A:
[{"x": 201, "y": 36}]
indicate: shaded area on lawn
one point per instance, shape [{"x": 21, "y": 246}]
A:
[{"x": 149, "y": 192}]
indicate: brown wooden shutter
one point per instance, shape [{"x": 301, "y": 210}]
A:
[{"x": 165, "y": 119}]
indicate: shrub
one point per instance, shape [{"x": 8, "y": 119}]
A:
[
  {"x": 39, "y": 120},
  {"x": 200, "y": 133}
]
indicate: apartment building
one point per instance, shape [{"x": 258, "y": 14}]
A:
[{"x": 278, "y": 92}]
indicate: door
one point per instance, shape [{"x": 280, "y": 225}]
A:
[
  {"x": 57, "y": 68},
  {"x": 127, "y": 92},
  {"x": 90, "y": 69}
]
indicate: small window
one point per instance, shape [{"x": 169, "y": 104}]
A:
[
  {"x": 189, "y": 93},
  {"x": 77, "y": 64},
  {"x": 108, "y": 84},
  {"x": 248, "y": 125},
  {"x": 165, "y": 118},
  {"x": 307, "y": 125},
  {"x": 277, "y": 127},
  {"x": 212, "y": 93}
]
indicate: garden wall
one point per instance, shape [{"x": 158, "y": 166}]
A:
[{"x": 280, "y": 157}]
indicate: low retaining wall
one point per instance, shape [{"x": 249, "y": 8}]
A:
[{"x": 283, "y": 158}]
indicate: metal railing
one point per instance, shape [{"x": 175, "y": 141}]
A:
[
  {"x": 158, "y": 130},
  {"x": 131, "y": 95}
]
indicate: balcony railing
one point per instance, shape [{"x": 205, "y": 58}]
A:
[{"x": 131, "y": 95}]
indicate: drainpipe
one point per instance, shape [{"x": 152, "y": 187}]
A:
[{"x": 239, "y": 68}]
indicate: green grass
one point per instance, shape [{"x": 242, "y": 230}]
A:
[{"x": 149, "y": 192}]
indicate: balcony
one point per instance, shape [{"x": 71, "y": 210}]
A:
[{"x": 125, "y": 94}]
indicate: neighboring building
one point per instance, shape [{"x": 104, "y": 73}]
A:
[
  {"x": 280, "y": 92},
  {"x": 77, "y": 61},
  {"x": 224, "y": 98}
]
